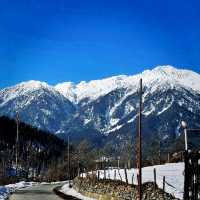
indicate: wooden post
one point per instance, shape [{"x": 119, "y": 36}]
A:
[
  {"x": 133, "y": 179},
  {"x": 119, "y": 175},
  {"x": 98, "y": 177},
  {"x": 155, "y": 182},
  {"x": 186, "y": 180},
  {"x": 126, "y": 177},
  {"x": 108, "y": 169},
  {"x": 163, "y": 183},
  {"x": 115, "y": 174}
]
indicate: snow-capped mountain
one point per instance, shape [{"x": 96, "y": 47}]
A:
[
  {"x": 163, "y": 75},
  {"x": 108, "y": 107},
  {"x": 37, "y": 103}
]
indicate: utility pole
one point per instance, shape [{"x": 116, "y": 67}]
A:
[
  {"x": 186, "y": 159},
  {"x": 139, "y": 156},
  {"x": 68, "y": 157},
  {"x": 17, "y": 144}
]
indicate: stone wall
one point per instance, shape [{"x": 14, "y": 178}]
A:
[{"x": 117, "y": 190}]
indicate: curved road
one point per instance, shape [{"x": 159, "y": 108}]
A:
[{"x": 39, "y": 192}]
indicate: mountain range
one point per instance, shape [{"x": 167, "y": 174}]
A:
[{"x": 106, "y": 110}]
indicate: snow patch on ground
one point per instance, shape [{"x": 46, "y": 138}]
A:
[
  {"x": 173, "y": 173},
  {"x": 5, "y": 191},
  {"x": 72, "y": 192}
]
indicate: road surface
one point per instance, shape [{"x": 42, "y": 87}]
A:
[{"x": 39, "y": 192}]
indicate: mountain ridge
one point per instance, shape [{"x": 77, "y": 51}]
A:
[
  {"x": 166, "y": 72},
  {"x": 108, "y": 107},
  {"x": 71, "y": 90}
]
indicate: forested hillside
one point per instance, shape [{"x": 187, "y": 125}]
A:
[
  {"x": 42, "y": 156},
  {"x": 37, "y": 150}
]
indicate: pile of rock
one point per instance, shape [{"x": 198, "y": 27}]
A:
[{"x": 117, "y": 190}]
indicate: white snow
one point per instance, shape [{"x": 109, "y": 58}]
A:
[
  {"x": 170, "y": 102},
  {"x": 128, "y": 107},
  {"x": 24, "y": 88},
  {"x": 86, "y": 121},
  {"x": 114, "y": 129},
  {"x": 68, "y": 90},
  {"x": 132, "y": 119},
  {"x": 160, "y": 77},
  {"x": 6, "y": 190},
  {"x": 173, "y": 173},
  {"x": 72, "y": 192},
  {"x": 147, "y": 111},
  {"x": 114, "y": 121}
]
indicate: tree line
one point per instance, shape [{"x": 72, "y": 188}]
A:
[{"x": 43, "y": 156}]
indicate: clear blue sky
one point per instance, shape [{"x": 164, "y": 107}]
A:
[{"x": 62, "y": 40}]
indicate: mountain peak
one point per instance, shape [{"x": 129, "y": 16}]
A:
[
  {"x": 33, "y": 84},
  {"x": 170, "y": 75},
  {"x": 160, "y": 75},
  {"x": 166, "y": 76},
  {"x": 173, "y": 71},
  {"x": 165, "y": 68}
]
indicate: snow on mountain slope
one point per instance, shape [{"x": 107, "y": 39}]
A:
[
  {"x": 172, "y": 76},
  {"x": 23, "y": 88},
  {"x": 109, "y": 105},
  {"x": 37, "y": 103},
  {"x": 92, "y": 89},
  {"x": 161, "y": 76},
  {"x": 68, "y": 90}
]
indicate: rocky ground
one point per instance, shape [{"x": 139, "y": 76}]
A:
[{"x": 119, "y": 190}]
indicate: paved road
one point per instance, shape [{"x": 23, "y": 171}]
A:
[{"x": 39, "y": 192}]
